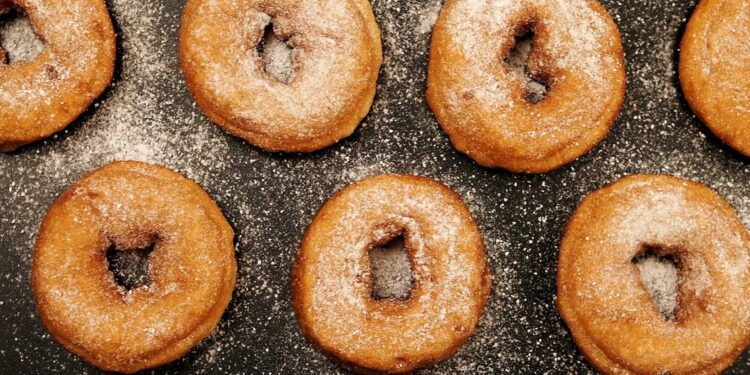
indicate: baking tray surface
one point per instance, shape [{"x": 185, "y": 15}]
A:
[{"x": 147, "y": 114}]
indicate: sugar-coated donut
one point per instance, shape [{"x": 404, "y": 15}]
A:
[
  {"x": 42, "y": 96},
  {"x": 601, "y": 297},
  {"x": 335, "y": 65},
  {"x": 715, "y": 66},
  {"x": 331, "y": 288},
  {"x": 483, "y": 105},
  {"x": 192, "y": 269}
]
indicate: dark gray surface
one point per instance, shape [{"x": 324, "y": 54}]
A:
[{"x": 270, "y": 199}]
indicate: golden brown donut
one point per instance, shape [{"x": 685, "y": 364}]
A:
[
  {"x": 192, "y": 269},
  {"x": 336, "y": 60},
  {"x": 483, "y": 105},
  {"x": 715, "y": 66},
  {"x": 601, "y": 297},
  {"x": 42, "y": 96},
  {"x": 331, "y": 287}
]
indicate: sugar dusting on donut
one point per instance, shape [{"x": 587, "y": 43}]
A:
[
  {"x": 130, "y": 212},
  {"x": 446, "y": 225},
  {"x": 714, "y": 61},
  {"x": 333, "y": 47},
  {"x": 18, "y": 40},
  {"x": 62, "y": 81},
  {"x": 663, "y": 219},
  {"x": 576, "y": 41},
  {"x": 698, "y": 299},
  {"x": 331, "y": 288}
]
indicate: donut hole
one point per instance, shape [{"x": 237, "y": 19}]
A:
[
  {"x": 18, "y": 40},
  {"x": 659, "y": 273},
  {"x": 390, "y": 270},
  {"x": 130, "y": 266},
  {"x": 276, "y": 54},
  {"x": 518, "y": 63}
]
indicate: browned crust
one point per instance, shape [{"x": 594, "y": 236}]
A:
[
  {"x": 488, "y": 152},
  {"x": 566, "y": 273},
  {"x": 178, "y": 346},
  {"x": 79, "y": 98},
  {"x": 355, "y": 364},
  {"x": 697, "y": 85},
  {"x": 339, "y": 126}
]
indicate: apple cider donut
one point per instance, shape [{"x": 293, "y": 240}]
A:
[
  {"x": 192, "y": 269},
  {"x": 332, "y": 282},
  {"x": 335, "y": 62},
  {"x": 601, "y": 297},
  {"x": 714, "y": 66},
  {"x": 42, "y": 96},
  {"x": 485, "y": 106}
]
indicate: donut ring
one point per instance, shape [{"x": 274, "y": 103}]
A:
[
  {"x": 482, "y": 104},
  {"x": 41, "y": 97},
  {"x": 336, "y": 60},
  {"x": 601, "y": 297},
  {"x": 714, "y": 66},
  {"x": 332, "y": 282},
  {"x": 192, "y": 268}
]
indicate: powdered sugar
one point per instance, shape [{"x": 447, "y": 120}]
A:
[
  {"x": 18, "y": 40},
  {"x": 270, "y": 199},
  {"x": 391, "y": 271},
  {"x": 577, "y": 52},
  {"x": 651, "y": 216},
  {"x": 659, "y": 277},
  {"x": 428, "y": 15},
  {"x": 447, "y": 262},
  {"x": 277, "y": 57},
  {"x": 665, "y": 219},
  {"x": 713, "y": 57},
  {"x": 335, "y": 49},
  {"x": 138, "y": 119},
  {"x": 43, "y": 95}
]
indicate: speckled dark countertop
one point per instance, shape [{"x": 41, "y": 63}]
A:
[{"x": 269, "y": 199}]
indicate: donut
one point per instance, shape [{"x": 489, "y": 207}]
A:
[
  {"x": 332, "y": 279},
  {"x": 714, "y": 66},
  {"x": 603, "y": 300},
  {"x": 42, "y": 96},
  {"x": 485, "y": 106},
  {"x": 334, "y": 69},
  {"x": 192, "y": 268}
]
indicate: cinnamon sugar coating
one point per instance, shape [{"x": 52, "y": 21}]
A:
[
  {"x": 41, "y": 97},
  {"x": 484, "y": 106},
  {"x": 131, "y": 205},
  {"x": 336, "y": 59},
  {"x": 715, "y": 66},
  {"x": 601, "y": 296},
  {"x": 332, "y": 282}
]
